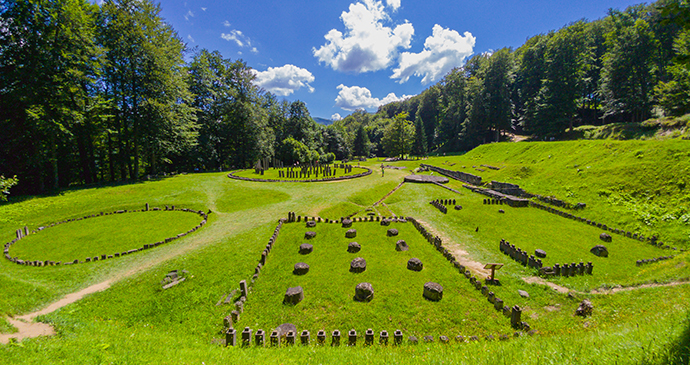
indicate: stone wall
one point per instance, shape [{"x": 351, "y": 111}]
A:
[
  {"x": 457, "y": 175},
  {"x": 21, "y": 233}
]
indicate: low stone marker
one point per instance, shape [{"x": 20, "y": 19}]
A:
[
  {"x": 433, "y": 291},
  {"x": 311, "y": 224},
  {"x": 605, "y": 237},
  {"x": 540, "y": 253},
  {"x": 392, "y": 232},
  {"x": 353, "y": 247},
  {"x": 364, "y": 292},
  {"x": 401, "y": 245},
  {"x": 358, "y": 265},
  {"x": 351, "y": 233},
  {"x": 309, "y": 235},
  {"x": 585, "y": 308},
  {"x": 600, "y": 250},
  {"x": 347, "y": 223},
  {"x": 293, "y": 295},
  {"x": 301, "y": 268},
  {"x": 305, "y": 248},
  {"x": 415, "y": 264}
]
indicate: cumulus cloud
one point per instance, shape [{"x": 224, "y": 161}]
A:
[
  {"x": 366, "y": 45},
  {"x": 239, "y": 38},
  {"x": 284, "y": 80},
  {"x": 443, "y": 50},
  {"x": 395, "y": 4},
  {"x": 226, "y": 23},
  {"x": 356, "y": 97},
  {"x": 336, "y": 117}
]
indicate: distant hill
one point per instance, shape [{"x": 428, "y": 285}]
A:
[{"x": 323, "y": 121}]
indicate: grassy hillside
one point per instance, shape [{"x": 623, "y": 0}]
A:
[{"x": 634, "y": 185}]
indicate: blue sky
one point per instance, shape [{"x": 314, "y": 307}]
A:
[{"x": 338, "y": 56}]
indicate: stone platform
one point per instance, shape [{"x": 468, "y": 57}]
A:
[{"x": 426, "y": 179}]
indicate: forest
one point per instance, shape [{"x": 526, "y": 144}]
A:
[{"x": 102, "y": 93}]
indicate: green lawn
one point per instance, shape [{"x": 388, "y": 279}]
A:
[{"x": 635, "y": 185}]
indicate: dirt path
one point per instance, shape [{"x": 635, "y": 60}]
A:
[
  {"x": 390, "y": 193},
  {"x": 564, "y": 290},
  {"x": 461, "y": 256},
  {"x": 27, "y": 328}
]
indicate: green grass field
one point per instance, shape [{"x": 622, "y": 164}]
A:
[{"x": 638, "y": 186}]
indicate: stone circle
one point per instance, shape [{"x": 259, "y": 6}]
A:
[
  {"x": 433, "y": 291},
  {"x": 293, "y": 295},
  {"x": 364, "y": 292},
  {"x": 415, "y": 264},
  {"x": 305, "y": 248},
  {"x": 301, "y": 268},
  {"x": 311, "y": 224},
  {"x": 401, "y": 245},
  {"x": 353, "y": 247},
  {"x": 358, "y": 265},
  {"x": 25, "y": 232},
  {"x": 392, "y": 232},
  {"x": 351, "y": 233}
]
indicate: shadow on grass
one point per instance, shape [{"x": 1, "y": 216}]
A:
[
  {"x": 679, "y": 353},
  {"x": 15, "y": 199}
]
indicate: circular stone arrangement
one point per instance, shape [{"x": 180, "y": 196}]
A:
[
  {"x": 25, "y": 232},
  {"x": 346, "y": 177}
]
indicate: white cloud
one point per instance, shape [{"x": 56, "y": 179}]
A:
[
  {"x": 367, "y": 44},
  {"x": 284, "y": 80},
  {"x": 226, "y": 23},
  {"x": 238, "y": 37},
  {"x": 188, "y": 15},
  {"x": 336, "y": 116},
  {"x": 443, "y": 51},
  {"x": 203, "y": 9},
  {"x": 355, "y": 97},
  {"x": 189, "y": 36},
  {"x": 395, "y": 4},
  {"x": 254, "y": 50}
]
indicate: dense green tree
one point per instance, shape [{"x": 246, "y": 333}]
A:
[
  {"x": 5, "y": 185},
  {"x": 48, "y": 66},
  {"x": 146, "y": 80},
  {"x": 453, "y": 110},
  {"x": 428, "y": 115},
  {"x": 674, "y": 95},
  {"x": 361, "y": 142},
  {"x": 398, "y": 136},
  {"x": 627, "y": 74},
  {"x": 557, "y": 98},
  {"x": 419, "y": 145},
  {"x": 530, "y": 60}
]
